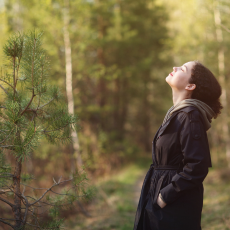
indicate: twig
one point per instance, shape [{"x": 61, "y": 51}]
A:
[
  {"x": 7, "y": 136},
  {"x": 83, "y": 210},
  {"x": 7, "y": 202},
  {"x": 9, "y": 85},
  {"x": 31, "y": 99},
  {"x": 1, "y": 220},
  {"x": 3, "y": 191},
  {"x": 49, "y": 189},
  {"x": 225, "y": 28},
  {"x": 4, "y": 89},
  {"x": 27, "y": 206},
  {"x": 45, "y": 104}
]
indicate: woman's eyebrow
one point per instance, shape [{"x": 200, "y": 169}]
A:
[{"x": 185, "y": 67}]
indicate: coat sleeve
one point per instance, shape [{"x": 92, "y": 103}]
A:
[{"x": 195, "y": 149}]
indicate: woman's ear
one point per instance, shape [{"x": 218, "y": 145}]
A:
[{"x": 190, "y": 87}]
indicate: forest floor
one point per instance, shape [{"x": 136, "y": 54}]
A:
[{"x": 115, "y": 203}]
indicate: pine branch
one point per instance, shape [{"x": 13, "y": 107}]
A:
[
  {"x": 31, "y": 99},
  {"x": 8, "y": 84},
  {"x": 7, "y": 136},
  {"x": 32, "y": 74},
  {"x": 49, "y": 189},
  {"x": 6, "y": 146},
  {"x": 19, "y": 60},
  {"x": 45, "y": 104},
  {"x": 31, "y": 138}
]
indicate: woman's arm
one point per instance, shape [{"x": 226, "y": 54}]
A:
[{"x": 195, "y": 148}]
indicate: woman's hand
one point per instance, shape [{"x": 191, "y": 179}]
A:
[{"x": 160, "y": 202}]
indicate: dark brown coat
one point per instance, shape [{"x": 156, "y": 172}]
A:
[{"x": 181, "y": 158}]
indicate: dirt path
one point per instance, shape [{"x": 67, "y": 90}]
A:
[{"x": 115, "y": 206}]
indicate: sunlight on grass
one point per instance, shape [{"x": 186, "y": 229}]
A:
[
  {"x": 216, "y": 211},
  {"x": 115, "y": 204}
]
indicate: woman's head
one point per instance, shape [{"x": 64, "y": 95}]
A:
[
  {"x": 194, "y": 80},
  {"x": 179, "y": 79},
  {"x": 207, "y": 88}
]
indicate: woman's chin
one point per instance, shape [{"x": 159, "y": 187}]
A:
[{"x": 167, "y": 79}]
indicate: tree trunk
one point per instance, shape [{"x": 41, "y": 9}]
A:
[
  {"x": 222, "y": 79},
  {"x": 69, "y": 87},
  {"x": 146, "y": 115},
  {"x": 101, "y": 87},
  {"x": 17, "y": 193}
]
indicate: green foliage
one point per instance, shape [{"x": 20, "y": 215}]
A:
[
  {"x": 5, "y": 170},
  {"x": 55, "y": 224},
  {"x": 32, "y": 110},
  {"x": 121, "y": 53}
]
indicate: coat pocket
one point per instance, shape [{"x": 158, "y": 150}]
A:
[{"x": 157, "y": 191}]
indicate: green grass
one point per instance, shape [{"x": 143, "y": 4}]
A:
[
  {"x": 216, "y": 209},
  {"x": 115, "y": 204}
]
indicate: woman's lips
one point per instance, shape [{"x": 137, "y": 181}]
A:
[{"x": 171, "y": 74}]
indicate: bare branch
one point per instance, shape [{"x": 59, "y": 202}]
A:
[
  {"x": 54, "y": 181},
  {"x": 43, "y": 195},
  {"x": 6, "y": 146},
  {"x": 8, "y": 84},
  {"x": 59, "y": 179},
  {"x": 33, "y": 187},
  {"x": 4, "y": 89},
  {"x": 1, "y": 220},
  {"x": 7, "y": 202},
  {"x": 3, "y": 191},
  {"x": 50, "y": 189},
  {"x": 45, "y": 104},
  {"x": 228, "y": 30},
  {"x": 27, "y": 206}
]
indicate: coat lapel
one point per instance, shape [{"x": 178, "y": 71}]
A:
[
  {"x": 158, "y": 133},
  {"x": 163, "y": 128}
]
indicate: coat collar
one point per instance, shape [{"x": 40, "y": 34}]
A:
[{"x": 162, "y": 128}]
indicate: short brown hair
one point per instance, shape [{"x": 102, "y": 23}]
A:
[{"x": 207, "y": 88}]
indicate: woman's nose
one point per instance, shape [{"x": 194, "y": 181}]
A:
[{"x": 174, "y": 69}]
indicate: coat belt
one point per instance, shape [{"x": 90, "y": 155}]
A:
[{"x": 166, "y": 167}]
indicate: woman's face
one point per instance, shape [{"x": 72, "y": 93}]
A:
[{"x": 179, "y": 78}]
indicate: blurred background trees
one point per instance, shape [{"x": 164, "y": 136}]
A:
[
  {"x": 122, "y": 51},
  {"x": 119, "y": 57}
]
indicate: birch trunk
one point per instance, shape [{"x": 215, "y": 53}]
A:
[
  {"x": 69, "y": 87},
  {"x": 222, "y": 79}
]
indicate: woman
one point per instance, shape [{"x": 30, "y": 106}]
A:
[{"x": 172, "y": 192}]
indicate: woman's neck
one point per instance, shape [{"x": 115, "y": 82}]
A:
[{"x": 179, "y": 96}]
